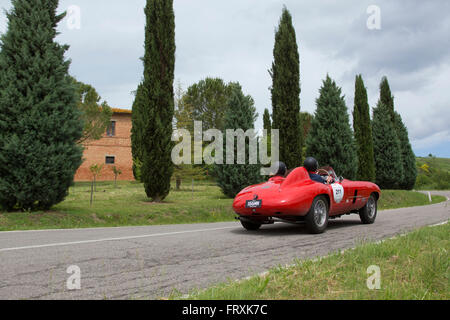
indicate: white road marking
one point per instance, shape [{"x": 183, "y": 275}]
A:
[
  {"x": 87, "y": 229},
  {"x": 112, "y": 239},
  {"x": 75, "y": 229},
  {"x": 439, "y": 224}
]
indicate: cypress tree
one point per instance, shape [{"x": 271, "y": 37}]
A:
[
  {"x": 330, "y": 139},
  {"x": 407, "y": 154},
  {"x": 267, "y": 122},
  {"x": 39, "y": 120},
  {"x": 305, "y": 125},
  {"x": 363, "y": 133},
  {"x": 386, "y": 146},
  {"x": 137, "y": 119},
  {"x": 158, "y": 99},
  {"x": 241, "y": 114},
  {"x": 285, "y": 91},
  {"x": 387, "y": 98}
]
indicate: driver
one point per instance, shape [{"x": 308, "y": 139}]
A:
[
  {"x": 279, "y": 172},
  {"x": 281, "y": 169},
  {"x": 311, "y": 165}
]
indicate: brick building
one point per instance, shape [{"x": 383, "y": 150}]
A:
[{"x": 113, "y": 149}]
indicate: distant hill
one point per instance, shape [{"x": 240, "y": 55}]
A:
[
  {"x": 433, "y": 173},
  {"x": 440, "y": 163}
]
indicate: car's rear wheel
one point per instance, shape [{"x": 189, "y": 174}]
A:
[
  {"x": 250, "y": 225},
  {"x": 368, "y": 213},
  {"x": 317, "y": 218}
]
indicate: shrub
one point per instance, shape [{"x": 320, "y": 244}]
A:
[
  {"x": 422, "y": 181},
  {"x": 40, "y": 123}
]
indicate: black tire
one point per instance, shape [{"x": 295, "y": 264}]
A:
[
  {"x": 318, "y": 215},
  {"x": 368, "y": 213},
  {"x": 250, "y": 225}
]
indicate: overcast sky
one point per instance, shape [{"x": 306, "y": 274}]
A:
[{"x": 234, "y": 39}]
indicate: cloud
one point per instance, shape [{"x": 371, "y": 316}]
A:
[
  {"x": 436, "y": 144},
  {"x": 426, "y": 111}
]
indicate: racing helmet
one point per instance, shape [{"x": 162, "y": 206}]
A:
[
  {"x": 311, "y": 164},
  {"x": 280, "y": 168}
]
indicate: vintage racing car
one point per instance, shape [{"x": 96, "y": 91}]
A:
[{"x": 298, "y": 199}]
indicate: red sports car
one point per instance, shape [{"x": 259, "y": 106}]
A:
[{"x": 297, "y": 198}]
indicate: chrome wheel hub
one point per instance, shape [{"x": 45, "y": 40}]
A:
[
  {"x": 320, "y": 213},
  {"x": 371, "y": 207}
]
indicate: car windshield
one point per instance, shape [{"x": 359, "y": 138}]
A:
[{"x": 325, "y": 171}]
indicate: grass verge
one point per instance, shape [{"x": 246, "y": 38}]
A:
[
  {"x": 413, "y": 267},
  {"x": 127, "y": 205},
  {"x": 393, "y": 199}
]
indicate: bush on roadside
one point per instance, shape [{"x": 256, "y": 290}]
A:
[
  {"x": 422, "y": 181},
  {"x": 40, "y": 125},
  {"x": 443, "y": 180}
]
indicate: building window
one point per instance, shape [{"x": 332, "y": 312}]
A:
[
  {"x": 110, "y": 160},
  {"x": 111, "y": 130}
]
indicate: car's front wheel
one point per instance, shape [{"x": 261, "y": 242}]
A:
[
  {"x": 251, "y": 226},
  {"x": 317, "y": 218},
  {"x": 368, "y": 213}
]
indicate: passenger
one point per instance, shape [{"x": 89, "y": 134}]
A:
[
  {"x": 311, "y": 165},
  {"x": 280, "y": 169}
]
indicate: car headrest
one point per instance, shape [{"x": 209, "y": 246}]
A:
[{"x": 297, "y": 175}]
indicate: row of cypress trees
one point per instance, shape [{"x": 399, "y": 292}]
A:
[
  {"x": 361, "y": 153},
  {"x": 377, "y": 150}
]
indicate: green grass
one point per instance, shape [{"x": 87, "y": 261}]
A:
[
  {"x": 413, "y": 267},
  {"x": 393, "y": 199},
  {"x": 127, "y": 205},
  {"x": 435, "y": 175},
  {"x": 441, "y": 163}
]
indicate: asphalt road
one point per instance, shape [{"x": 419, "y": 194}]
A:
[{"x": 149, "y": 262}]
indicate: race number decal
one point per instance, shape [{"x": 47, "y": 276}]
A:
[{"x": 338, "y": 192}]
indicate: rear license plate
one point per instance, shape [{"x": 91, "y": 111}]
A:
[{"x": 253, "y": 204}]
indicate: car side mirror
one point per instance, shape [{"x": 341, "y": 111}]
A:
[{"x": 341, "y": 178}]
